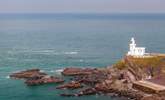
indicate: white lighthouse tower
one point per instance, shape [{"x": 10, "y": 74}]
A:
[{"x": 135, "y": 51}]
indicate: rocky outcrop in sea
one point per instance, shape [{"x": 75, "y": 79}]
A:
[{"x": 116, "y": 80}]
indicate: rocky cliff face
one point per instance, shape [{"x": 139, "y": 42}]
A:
[
  {"x": 142, "y": 68},
  {"x": 129, "y": 69}
]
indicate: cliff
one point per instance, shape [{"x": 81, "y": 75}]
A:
[{"x": 142, "y": 68}]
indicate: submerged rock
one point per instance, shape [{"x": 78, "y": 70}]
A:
[
  {"x": 87, "y": 91},
  {"x": 67, "y": 95}
]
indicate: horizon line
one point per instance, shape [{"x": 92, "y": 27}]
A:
[{"x": 82, "y": 12}]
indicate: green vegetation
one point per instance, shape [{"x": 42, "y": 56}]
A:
[
  {"x": 148, "y": 62},
  {"x": 142, "y": 62},
  {"x": 120, "y": 65},
  {"x": 150, "y": 65}
]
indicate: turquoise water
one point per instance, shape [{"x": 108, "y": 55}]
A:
[{"x": 55, "y": 41}]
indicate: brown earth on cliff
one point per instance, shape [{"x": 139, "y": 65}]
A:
[{"x": 142, "y": 68}]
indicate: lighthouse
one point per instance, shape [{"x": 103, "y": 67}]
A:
[{"x": 135, "y": 51}]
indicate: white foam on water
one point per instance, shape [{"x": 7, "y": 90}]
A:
[
  {"x": 71, "y": 53},
  {"x": 7, "y": 77},
  {"x": 52, "y": 71},
  {"x": 34, "y": 51},
  {"x": 42, "y": 71},
  {"x": 17, "y": 71},
  {"x": 59, "y": 70},
  {"x": 44, "y": 52},
  {"x": 81, "y": 60}
]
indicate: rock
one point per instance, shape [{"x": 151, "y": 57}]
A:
[
  {"x": 43, "y": 80},
  {"x": 35, "y": 77},
  {"x": 154, "y": 97},
  {"x": 119, "y": 92},
  {"x": 103, "y": 88},
  {"x": 96, "y": 76},
  {"x": 27, "y": 74},
  {"x": 67, "y": 95},
  {"x": 87, "y": 91},
  {"x": 119, "y": 88},
  {"x": 70, "y": 85},
  {"x": 131, "y": 94},
  {"x": 77, "y": 71},
  {"x": 110, "y": 80}
]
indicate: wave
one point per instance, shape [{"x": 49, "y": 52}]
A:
[
  {"x": 42, "y": 71},
  {"x": 44, "y": 52},
  {"x": 71, "y": 53},
  {"x": 17, "y": 71},
  {"x": 7, "y": 77},
  {"x": 58, "y": 71},
  {"x": 81, "y": 60},
  {"x": 31, "y": 51}
]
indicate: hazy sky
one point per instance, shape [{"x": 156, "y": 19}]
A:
[{"x": 79, "y": 6}]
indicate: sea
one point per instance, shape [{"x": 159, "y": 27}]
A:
[{"x": 52, "y": 42}]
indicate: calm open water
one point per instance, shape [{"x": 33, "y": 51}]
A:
[{"x": 55, "y": 41}]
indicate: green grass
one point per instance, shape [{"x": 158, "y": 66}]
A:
[
  {"x": 143, "y": 63},
  {"x": 120, "y": 65}
]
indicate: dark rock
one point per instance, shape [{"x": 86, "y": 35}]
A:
[
  {"x": 93, "y": 78},
  {"x": 77, "y": 71},
  {"x": 27, "y": 74},
  {"x": 67, "y": 95},
  {"x": 70, "y": 85},
  {"x": 43, "y": 80},
  {"x": 88, "y": 91},
  {"x": 154, "y": 97}
]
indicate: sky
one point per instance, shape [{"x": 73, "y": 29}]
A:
[{"x": 82, "y": 6}]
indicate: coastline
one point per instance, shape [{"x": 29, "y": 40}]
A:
[{"x": 116, "y": 81}]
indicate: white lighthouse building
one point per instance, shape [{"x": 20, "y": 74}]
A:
[{"x": 135, "y": 51}]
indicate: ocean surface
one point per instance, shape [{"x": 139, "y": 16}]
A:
[{"x": 55, "y": 41}]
